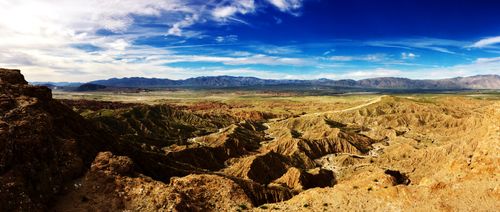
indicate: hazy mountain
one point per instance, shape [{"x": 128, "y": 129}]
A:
[{"x": 473, "y": 82}]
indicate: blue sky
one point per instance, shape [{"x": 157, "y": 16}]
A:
[{"x": 83, "y": 40}]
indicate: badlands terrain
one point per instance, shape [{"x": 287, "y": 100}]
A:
[{"x": 185, "y": 150}]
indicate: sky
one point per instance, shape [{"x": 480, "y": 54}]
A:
[{"x": 84, "y": 40}]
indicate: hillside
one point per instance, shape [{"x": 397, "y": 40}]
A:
[{"x": 43, "y": 144}]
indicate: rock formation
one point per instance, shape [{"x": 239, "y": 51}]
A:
[{"x": 43, "y": 144}]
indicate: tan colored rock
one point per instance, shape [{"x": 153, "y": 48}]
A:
[
  {"x": 299, "y": 180},
  {"x": 112, "y": 184}
]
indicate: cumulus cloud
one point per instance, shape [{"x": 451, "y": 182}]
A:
[{"x": 487, "y": 42}]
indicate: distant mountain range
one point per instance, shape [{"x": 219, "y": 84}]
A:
[{"x": 473, "y": 82}]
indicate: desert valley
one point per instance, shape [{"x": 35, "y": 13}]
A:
[{"x": 189, "y": 150}]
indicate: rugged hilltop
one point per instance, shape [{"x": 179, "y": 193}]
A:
[
  {"x": 43, "y": 144},
  {"x": 386, "y": 153}
]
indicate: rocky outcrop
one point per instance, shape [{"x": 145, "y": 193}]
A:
[
  {"x": 299, "y": 180},
  {"x": 261, "y": 168},
  {"x": 114, "y": 184},
  {"x": 43, "y": 144}
]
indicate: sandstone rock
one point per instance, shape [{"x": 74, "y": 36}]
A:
[
  {"x": 112, "y": 184},
  {"x": 12, "y": 76},
  {"x": 262, "y": 168},
  {"x": 300, "y": 180},
  {"x": 43, "y": 144}
]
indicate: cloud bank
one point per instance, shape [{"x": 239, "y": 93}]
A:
[{"x": 83, "y": 40}]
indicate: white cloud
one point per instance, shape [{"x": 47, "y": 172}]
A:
[
  {"x": 408, "y": 56},
  {"x": 228, "y": 38},
  {"x": 487, "y": 42},
  {"x": 276, "y": 50},
  {"x": 119, "y": 44},
  {"x": 47, "y": 16},
  {"x": 258, "y": 59},
  {"x": 491, "y": 67},
  {"x": 224, "y": 12},
  {"x": 176, "y": 28},
  {"x": 236, "y": 7},
  {"x": 370, "y": 58},
  {"x": 488, "y": 60},
  {"x": 240, "y": 53},
  {"x": 328, "y": 52},
  {"x": 434, "y": 44},
  {"x": 363, "y": 74},
  {"x": 286, "y": 5},
  {"x": 342, "y": 58},
  {"x": 244, "y": 72}
]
